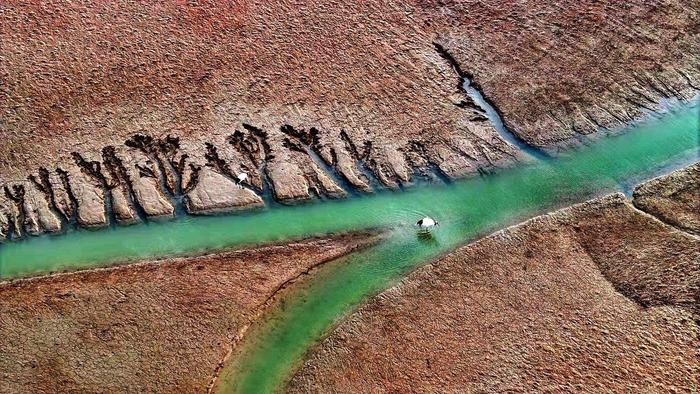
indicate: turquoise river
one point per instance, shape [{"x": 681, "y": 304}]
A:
[{"x": 274, "y": 348}]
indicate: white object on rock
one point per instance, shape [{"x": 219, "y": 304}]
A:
[{"x": 241, "y": 177}]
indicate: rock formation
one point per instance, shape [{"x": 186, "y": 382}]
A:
[
  {"x": 316, "y": 99},
  {"x": 216, "y": 193},
  {"x": 563, "y": 70}
]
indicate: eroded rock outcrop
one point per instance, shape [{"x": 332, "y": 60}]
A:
[
  {"x": 310, "y": 107},
  {"x": 145, "y": 177},
  {"x": 153, "y": 169},
  {"x": 216, "y": 193},
  {"x": 39, "y": 218},
  {"x": 57, "y": 185},
  {"x": 340, "y": 156},
  {"x": 123, "y": 213},
  {"x": 8, "y": 222},
  {"x": 88, "y": 193},
  {"x": 25, "y": 211},
  {"x": 89, "y": 198}
]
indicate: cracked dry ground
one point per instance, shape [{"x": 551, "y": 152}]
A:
[
  {"x": 163, "y": 326},
  {"x": 598, "y": 297},
  {"x": 121, "y": 112}
]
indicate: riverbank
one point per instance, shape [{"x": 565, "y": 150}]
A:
[
  {"x": 310, "y": 103},
  {"x": 599, "y": 296},
  {"x": 659, "y": 143},
  {"x": 472, "y": 208},
  {"x": 150, "y": 326}
]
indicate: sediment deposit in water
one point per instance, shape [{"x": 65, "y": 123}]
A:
[
  {"x": 597, "y": 297},
  {"x": 163, "y": 326},
  {"x": 121, "y": 113}
]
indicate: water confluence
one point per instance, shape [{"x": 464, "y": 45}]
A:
[{"x": 465, "y": 209}]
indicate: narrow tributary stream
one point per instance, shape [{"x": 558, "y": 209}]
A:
[{"x": 273, "y": 348}]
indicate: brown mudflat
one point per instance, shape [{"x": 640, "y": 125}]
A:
[
  {"x": 260, "y": 82},
  {"x": 596, "y": 297},
  {"x": 135, "y": 106},
  {"x": 151, "y": 327},
  {"x": 560, "y": 69}
]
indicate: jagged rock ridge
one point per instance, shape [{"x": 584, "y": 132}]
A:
[
  {"x": 148, "y": 177},
  {"x": 309, "y": 102}
]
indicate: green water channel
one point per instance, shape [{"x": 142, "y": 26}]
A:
[
  {"x": 275, "y": 347},
  {"x": 465, "y": 210}
]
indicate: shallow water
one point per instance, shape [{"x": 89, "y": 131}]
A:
[{"x": 465, "y": 209}]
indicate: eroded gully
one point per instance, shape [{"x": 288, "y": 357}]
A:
[{"x": 466, "y": 209}]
